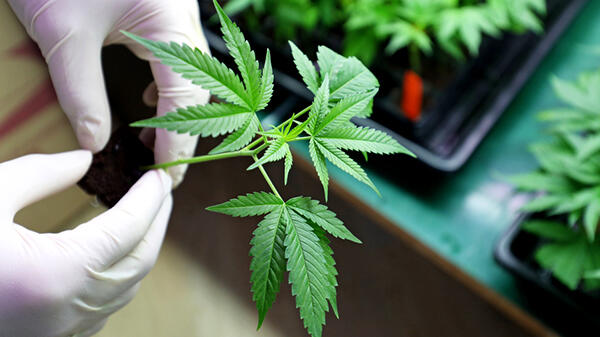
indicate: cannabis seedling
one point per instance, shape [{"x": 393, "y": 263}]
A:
[
  {"x": 418, "y": 24},
  {"x": 292, "y": 234},
  {"x": 569, "y": 176}
]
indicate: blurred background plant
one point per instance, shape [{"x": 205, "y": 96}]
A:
[{"x": 569, "y": 182}]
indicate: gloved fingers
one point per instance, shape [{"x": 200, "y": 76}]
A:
[
  {"x": 93, "y": 330},
  {"x": 174, "y": 92},
  {"x": 147, "y": 137},
  {"x": 76, "y": 71},
  {"x": 150, "y": 95},
  {"x": 115, "y": 233},
  {"x": 124, "y": 274},
  {"x": 180, "y": 24},
  {"x": 30, "y": 178}
]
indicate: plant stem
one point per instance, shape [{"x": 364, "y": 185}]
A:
[
  {"x": 301, "y": 138},
  {"x": 267, "y": 179},
  {"x": 200, "y": 159},
  {"x": 415, "y": 59}
]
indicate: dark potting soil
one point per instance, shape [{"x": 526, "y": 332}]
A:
[{"x": 116, "y": 168}]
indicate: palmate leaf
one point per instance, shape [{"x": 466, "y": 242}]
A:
[
  {"x": 571, "y": 260},
  {"x": 240, "y": 138},
  {"x": 591, "y": 217},
  {"x": 362, "y": 139},
  {"x": 343, "y": 111},
  {"x": 338, "y": 158},
  {"x": 305, "y": 68},
  {"x": 582, "y": 94},
  {"x": 322, "y": 217},
  {"x": 206, "y": 120},
  {"x": 200, "y": 68},
  {"x": 243, "y": 56},
  {"x": 274, "y": 152},
  {"x": 320, "y": 106},
  {"x": 467, "y": 25},
  {"x": 266, "y": 89},
  {"x": 289, "y": 160},
  {"x": 318, "y": 160},
  {"x": 308, "y": 272},
  {"x": 268, "y": 261},
  {"x": 351, "y": 78},
  {"x": 251, "y": 204},
  {"x": 331, "y": 292},
  {"x": 347, "y": 75}
]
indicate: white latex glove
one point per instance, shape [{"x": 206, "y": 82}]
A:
[
  {"x": 71, "y": 33},
  {"x": 67, "y": 284}
]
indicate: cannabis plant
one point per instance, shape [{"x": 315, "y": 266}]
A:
[
  {"x": 420, "y": 24},
  {"x": 291, "y": 18},
  {"x": 569, "y": 177},
  {"x": 293, "y": 233}
]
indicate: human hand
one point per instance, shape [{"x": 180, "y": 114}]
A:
[
  {"x": 71, "y": 33},
  {"x": 67, "y": 284}
]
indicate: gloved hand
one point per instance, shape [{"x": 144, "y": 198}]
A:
[
  {"x": 71, "y": 33},
  {"x": 67, "y": 284}
]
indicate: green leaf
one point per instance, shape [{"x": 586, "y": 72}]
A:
[
  {"x": 466, "y": 24},
  {"x": 362, "y": 139},
  {"x": 268, "y": 261},
  {"x": 331, "y": 292},
  {"x": 338, "y": 158},
  {"x": 308, "y": 272},
  {"x": 351, "y": 78},
  {"x": 570, "y": 260},
  {"x": 320, "y": 106},
  {"x": 274, "y": 152},
  {"x": 266, "y": 83},
  {"x": 200, "y": 68},
  {"x": 251, "y": 204},
  {"x": 305, "y": 68},
  {"x": 537, "y": 181},
  {"x": 591, "y": 217},
  {"x": 343, "y": 111},
  {"x": 549, "y": 229},
  {"x": 321, "y": 216},
  {"x": 206, "y": 120},
  {"x": 319, "y": 163},
  {"x": 544, "y": 202},
  {"x": 289, "y": 160},
  {"x": 243, "y": 56},
  {"x": 329, "y": 61},
  {"x": 240, "y": 138},
  {"x": 589, "y": 147},
  {"x": 582, "y": 94}
]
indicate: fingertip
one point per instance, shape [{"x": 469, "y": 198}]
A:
[
  {"x": 166, "y": 181},
  {"x": 177, "y": 174},
  {"x": 93, "y": 134}
]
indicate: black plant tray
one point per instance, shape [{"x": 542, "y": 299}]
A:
[
  {"x": 571, "y": 313},
  {"x": 458, "y": 116}
]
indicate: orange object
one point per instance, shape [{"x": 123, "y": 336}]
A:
[{"x": 412, "y": 95}]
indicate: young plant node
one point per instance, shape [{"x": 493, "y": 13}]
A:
[{"x": 292, "y": 235}]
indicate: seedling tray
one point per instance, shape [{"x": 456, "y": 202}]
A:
[
  {"x": 457, "y": 117},
  {"x": 571, "y": 313}
]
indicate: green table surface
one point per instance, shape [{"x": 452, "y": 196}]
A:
[{"x": 467, "y": 214}]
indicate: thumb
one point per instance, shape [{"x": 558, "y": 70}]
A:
[{"x": 76, "y": 71}]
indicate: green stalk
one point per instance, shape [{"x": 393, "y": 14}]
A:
[
  {"x": 415, "y": 59},
  {"x": 267, "y": 179},
  {"x": 200, "y": 159}
]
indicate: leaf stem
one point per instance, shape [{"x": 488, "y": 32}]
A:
[
  {"x": 267, "y": 179},
  {"x": 200, "y": 159},
  {"x": 301, "y": 138}
]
